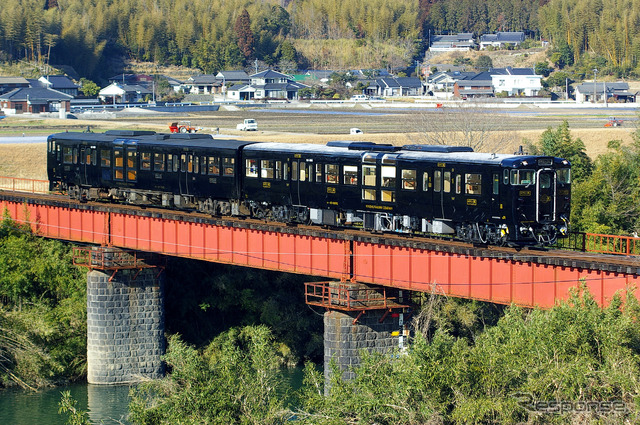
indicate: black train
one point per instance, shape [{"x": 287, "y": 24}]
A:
[{"x": 417, "y": 189}]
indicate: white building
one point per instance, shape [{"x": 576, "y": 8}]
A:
[{"x": 516, "y": 81}]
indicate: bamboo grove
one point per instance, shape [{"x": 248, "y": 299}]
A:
[{"x": 90, "y": 34}]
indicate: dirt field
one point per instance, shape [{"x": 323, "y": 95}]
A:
[{"x": 382, "y": 126}]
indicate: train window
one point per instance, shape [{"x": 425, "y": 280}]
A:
[
  {"x": 82, "y": 155},
  {"x": 331, "y": 173},
  {"x": 303, "y": 172},
  {"x": 564, "y": 175},
  {"x": 388, "y": 195},
  {"x": 251, "y": 167},
  {"x": 118, "y": 164},
  {"x": 446, "y": 182},
  {"x": 67, "y": 155},
  {"x": 388, "y": 176},
  {"x": 496, "y": 184},
  {"x": 196, "y": 164},
  {"x": 183, "y": 162},
  {"x": 369, "y": 194},
  {"x": 132, "y": 164},
  {"x": 176, "y": 163},
  {"x": 203, "y": 165},
  {"x": 145, "y": 161},
  {"x": 369, "y": 175},
  {"x": 473, "y": 183},
  {"x": 505, "y": 177},
  {"x": 285, "y": 171},
  {"x": 278, "y": 170},
  {"x": 319, "y": 173},
  {"x": 409, "y": 179},
  {"x": 228, "y": 166},
  {"x": 214, "y": 166},
  {"x": 190, "y": 163},
  {"x": 310, "y": 173},
  {"x": 58, "y": 152},
  {"x": 425, "y": 181},
  {"x": 94, "y": 156},
  {"x": 170, "y": 162},
  {"x": 294, "y": 170},
  {"x": 437, "y": 181},
  {"x": 75, "y": 155},
  {"x": 369, "y": 157},
  {"x": 458, "y": 184},
  {"x": 523, "y": 177},
  {"x": 158, "y": 162},
  {"x": 350, "y": 174},
  {"x": 88, "y": 154},
  {"x": 545, "y": 180},
  {"x": 105, "y": 158},
  {"x": 266, "y": 169}
]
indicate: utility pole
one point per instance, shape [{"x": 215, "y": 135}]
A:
[{"x": 595, "y": 73}]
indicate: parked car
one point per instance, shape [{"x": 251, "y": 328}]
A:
[{"x": 248, "y": 124}]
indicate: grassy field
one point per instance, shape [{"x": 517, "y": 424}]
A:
[{"x": 397, "y": 127}]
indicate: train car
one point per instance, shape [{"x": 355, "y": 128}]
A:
[
  {"x": 187, "y": 171},
  {"x": 414, "y": 189}
]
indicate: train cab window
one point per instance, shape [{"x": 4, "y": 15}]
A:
[
  {"x": 228, "y": 166},
  {"x": 251, "y": 167},
  {"x": 158, "y": 162},
  {"x": 67, "y": 155},
  {"x": 331, "y": 173},
  {"x": 118, "y": 164},
  {"x": 446, "y": 182},
  {"x": 545, "y": 180},
  {"x": 105, "y": 158},
  {"x": 564, "y": 175},
  {"x": 82, "y": 155},
  {"x": 425, "y": 181},
  {"x": 319, "y": 173},
  {"x": 458, "y": 184},
  {"x": 496, "y": 184},
  {"x": 473, "y": 183},
  {"x": 350, "y": 174},
  {"x": 369, "y": 175},
  {"x": 58, "y": 152},
  {"x": 170, "y": 163},
  {"x": 145, "y": 161},
  {"x": 196, "y": 164},
  {"x": 523, "y": 177},
  {"x": 214, "y": 166},
  {"x": 303, "y": 172},
  {"x": 310, "y": 173},
  {"x": 437, "y": 181},
  {"x": 278, "y": 170},
  {"x": 203, "y": 165},
  {"x": 132, "y": 164},
  {"x": 266, "y": 169},
  {"x": 75, "y": 155},
  {"x": 94, "y": 156},
  {"x": 294, "y": 170},
  {"x": 505, "y": 177},
  {"x": 190, "y": 163},
  {"x": 87, "y": 156},
  {"x": 409, "y": 179},
  {"x": 285, "y": 171}
]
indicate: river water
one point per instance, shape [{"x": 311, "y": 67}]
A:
[{"x": 105, "y": 404}]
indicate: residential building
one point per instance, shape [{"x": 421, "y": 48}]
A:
[
  {"x": 468, "y": 89},
  {"x": 604, "y": 92},
  {"x": 62, "y": 83},
  {"x": 448, "y": 43},
  {"x": 501, "y": 39},
  {"x": 233, "y": 77},
  {"x": 124, "y": 93},
  {"x": 515, "y": 81},
  {"x": 271, "y": 84},
  {"x": 143, "y": 80},
  {"x": 9, "y": 83},
  {"x": 204, "y": 84},
  {"x": 34, "y": 100}
]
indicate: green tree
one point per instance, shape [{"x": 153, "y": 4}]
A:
[
  {"x": 483, "y": 63},
  {"x": 542, "y": 68},
  {"x": 89, "y": 88}
]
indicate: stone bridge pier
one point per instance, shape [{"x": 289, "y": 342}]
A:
[{"x": 125, "y": 315}]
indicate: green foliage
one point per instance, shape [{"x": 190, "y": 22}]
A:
[
  {"x": 560, "y": 143},
  {"x": 483, "y": 63},
  {"x": 42, "y": 310},
  {"x": 542, "y": 68},
  {"x": 89, "y": 88},
  {"x": 68, "y": 405},
  {"x": 609, "y": 200},
  {"x": 236, "y": 380}
]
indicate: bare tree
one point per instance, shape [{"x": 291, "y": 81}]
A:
[{"x": 469, "y": 124}]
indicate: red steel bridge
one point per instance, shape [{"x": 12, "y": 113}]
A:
[{"x": 500, "y": 275}]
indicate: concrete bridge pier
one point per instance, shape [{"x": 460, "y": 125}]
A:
[
  {"x": 125, "y": 321},
  {"x": 358, "y": 317}
]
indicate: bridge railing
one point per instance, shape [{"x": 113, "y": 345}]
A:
[
  {"x": 605, "y": 244},
  {"x": 24, "y": 185}
]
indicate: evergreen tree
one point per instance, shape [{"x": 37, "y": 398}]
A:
[{"x": 246, "y": 41}]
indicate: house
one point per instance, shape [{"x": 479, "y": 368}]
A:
[
  {"x": 62, "y": 83},
  {"x": 472, "y": 88},
  {"x": 271, "y": 84},
  {"x": 204, "y": 84},
  {"x": 175, "y": 84},
  {"x": 604, "y": 92},
  {"x": 143, "y": 80},
  {"x": 449, "y": 43},
  {"x": 445, "y": 81},
  {"x": 34, "y": 100},
  {"x": 241, "y": 92},
  {"x": 501, "y": 39},
  {"x": 514, "y": 81},
  {"x": 126, "y": 93},
  {"x": 233, "y": 77},
  {"x": 9, "y": 83}
]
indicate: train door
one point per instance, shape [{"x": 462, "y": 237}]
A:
[
  {"x": 184, "y": 173},
  {"x": 546, "y": 196},
  {"x": 496, "y": 203},
  {"x": 442, "y": 194}
]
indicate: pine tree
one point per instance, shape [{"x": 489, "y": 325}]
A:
[{"x": 246, "y": 41}]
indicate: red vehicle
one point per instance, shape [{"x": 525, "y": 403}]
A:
[
  {"x": 613, "y": 122},
  {"x": 182, "y": 127}
]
